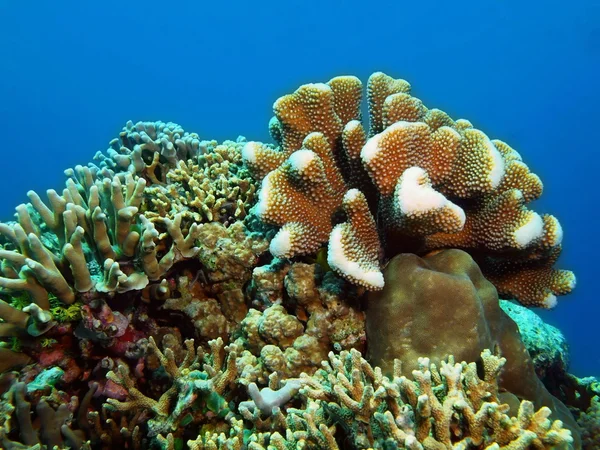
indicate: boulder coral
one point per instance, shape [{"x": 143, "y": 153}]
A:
[
  {"x": 431, "y": 182},
  {"x": 443, "y": 303}
]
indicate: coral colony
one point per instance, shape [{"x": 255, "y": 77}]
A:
[{"x": 337, "y": 289}]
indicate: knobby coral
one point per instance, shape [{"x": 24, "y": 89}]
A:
[{"x": 431, "y": 181}]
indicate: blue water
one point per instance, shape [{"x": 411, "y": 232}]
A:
[{"x": 73, "y": 72}]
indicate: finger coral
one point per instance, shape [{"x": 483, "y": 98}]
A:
[
  {"x": 192, "y": 379},
  {"x": 147, "y": 149},
  {"x": 432, "y": 182},
  {"x": 121, "y": 226},
  {"x": 213, "y": 187},
  {"x": 445, "y": 407},
  {"x": 53, "y": 430}
]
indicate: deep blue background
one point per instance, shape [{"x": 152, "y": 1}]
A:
[{"x": 73, "y": 72}]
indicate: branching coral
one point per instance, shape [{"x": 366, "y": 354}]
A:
[
  {"x": 446, "y": 408},
  {"x": 52, "y": 429},
  {"x": 434, "y": 183},
  {"x": 127, "y": 221},
  {"x": 94, "y": 220},
  {"x": 147, "y": 149},
  {"x": 201, "y": 180},
  {"x": 147, "y": 277},
  {"x": 30, "y": 321},
  {"x": 212, "y": 187},
  {"x": 440, "y": 304},
  {"x": 192, "y": 379},
  {"x": 590, "y": 423}
]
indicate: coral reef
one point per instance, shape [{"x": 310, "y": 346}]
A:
[
  {"x": 141, "y": 309},
  {"x": 189, "y": 385},
  {"x": 449, "y": 407},
  {"x": 149, "y": 149},
  {"x": 215, "y": 187},
  {"x": 54, "y": 431},
  {"x": 589, "y": 421}
]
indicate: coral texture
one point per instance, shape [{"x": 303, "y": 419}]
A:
[
  {"x": 445, "y": 407},
  {"x": 546, "y": 345},
  {"x": 122, "y": 225}
]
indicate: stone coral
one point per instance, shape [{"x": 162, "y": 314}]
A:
[
  {"x": 52, "y": 429},
  {"x": 546, "y": 345},
  {"x": 215, "y": 186},
  {"x": 433, "y": 182},
  {"x": 324, "y": 317},
  {"x": 590, "y": 424},
  {"x": 449, "y": 407},
  {"x": 441, "y": 303},
  {"x": 147, "y": 276},
  {"x": 92, "y": 239},
  {"x": 147, "y": 149},
  {"x": 192, "y": 379},
  {"x": 94, "y": 220}
]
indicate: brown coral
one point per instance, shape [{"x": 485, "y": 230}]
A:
[
  {"x": 440, "y": 304},
  {"x": 434, "y": 182},
  {"x": 212, "y": 187}
]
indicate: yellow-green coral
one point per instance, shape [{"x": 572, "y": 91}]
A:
[{"x": 214, "y": 187}]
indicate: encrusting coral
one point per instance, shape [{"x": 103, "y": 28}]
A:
[{"x": 433, "y": 183}]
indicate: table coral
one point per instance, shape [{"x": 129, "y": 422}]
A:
[{"x": 433, "y": 182}]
